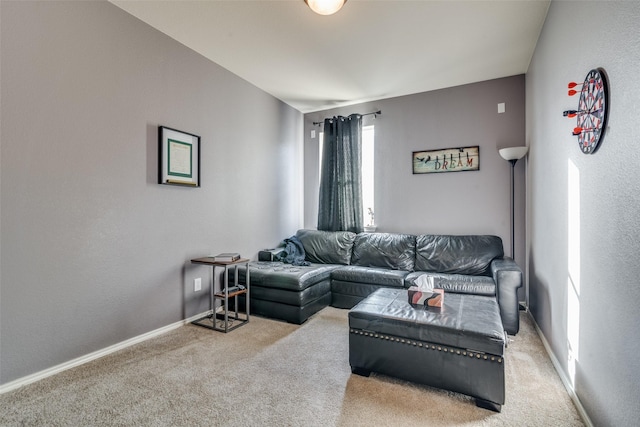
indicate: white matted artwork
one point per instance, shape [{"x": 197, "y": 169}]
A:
[{"x": 179, "y": 157}]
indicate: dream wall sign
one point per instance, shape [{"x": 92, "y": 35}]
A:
[{"x": 447, "y": 160}]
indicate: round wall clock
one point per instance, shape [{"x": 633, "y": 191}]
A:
[{"x": 591, "y": 116}]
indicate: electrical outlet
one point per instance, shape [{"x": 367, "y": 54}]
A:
[{"x": 197, "y": 284}]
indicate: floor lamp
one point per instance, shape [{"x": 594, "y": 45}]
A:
[{"x": 512, "y": 155}]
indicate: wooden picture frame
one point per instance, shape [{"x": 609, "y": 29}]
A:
[
  {"x": 178, "y": 157},
  {"x": 446, "y": 160}
]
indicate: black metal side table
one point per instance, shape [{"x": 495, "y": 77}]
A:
[{"x": 226, "y": 323}]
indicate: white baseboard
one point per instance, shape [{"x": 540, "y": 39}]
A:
[
  {"x": 563, "y": 376},
  {"x": 152, "y": 334},
  {"x": 95, "y": 355}
]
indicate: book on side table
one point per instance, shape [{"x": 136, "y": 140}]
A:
[{"x": 227, "y": 257}]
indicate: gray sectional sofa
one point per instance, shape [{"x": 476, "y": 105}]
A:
[{"x": 346, "y": 267}]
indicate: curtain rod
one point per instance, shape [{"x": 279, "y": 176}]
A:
[{"x": 375, "y": 114}]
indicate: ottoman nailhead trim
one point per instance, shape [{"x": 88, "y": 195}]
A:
[{"x": 427, "y": 346}]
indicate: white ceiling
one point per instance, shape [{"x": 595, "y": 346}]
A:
[{"x": 371, "y": 49}]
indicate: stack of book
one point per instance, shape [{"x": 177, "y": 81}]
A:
[{"x": 227, "y": 257}]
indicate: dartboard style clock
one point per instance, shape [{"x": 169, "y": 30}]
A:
[{"x": 591, "y": 115}]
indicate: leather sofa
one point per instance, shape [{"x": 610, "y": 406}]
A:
[{"x": 346, "y": 267}]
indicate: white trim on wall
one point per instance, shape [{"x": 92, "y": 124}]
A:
[
  {"x": 563, "y": 376},
  {"x": 95, "y": 355}
]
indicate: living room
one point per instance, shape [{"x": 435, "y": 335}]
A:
[{"x": 95, "y": 254}]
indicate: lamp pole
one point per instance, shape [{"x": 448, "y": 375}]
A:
[{"x": 513, "y": 208}]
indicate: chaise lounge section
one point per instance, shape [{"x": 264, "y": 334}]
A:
[{"x": 287, "y": 292}]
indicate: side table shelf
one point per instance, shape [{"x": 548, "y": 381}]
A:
[{"x": 224, "y": 321}]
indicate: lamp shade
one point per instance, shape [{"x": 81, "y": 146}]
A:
[
  {"x": 325, "y": 7},
  {"x": 513, "y": 153}
]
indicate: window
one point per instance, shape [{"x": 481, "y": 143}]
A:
[
  {"x": 367, "y": 173},
  {"x": 367, "y": 170}
]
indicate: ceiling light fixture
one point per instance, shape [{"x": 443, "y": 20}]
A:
[{"x": 325, "y": 7}]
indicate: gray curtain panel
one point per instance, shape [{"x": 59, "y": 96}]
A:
[{"x": 340, "y": 204}]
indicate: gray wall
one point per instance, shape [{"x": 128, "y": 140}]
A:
[
  {"x": 583, "y": 209},
  {"x": 93, "y": 250},
  {"x": 475, "y": 202}
]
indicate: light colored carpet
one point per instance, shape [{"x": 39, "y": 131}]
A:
[{"x": 270, "y": 373}]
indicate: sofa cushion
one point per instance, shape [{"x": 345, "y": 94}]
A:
[
  {"x": 354, "y": 293},
  {"x": 385, "y": 250},
  {"x": 284, "y": 276},
  {"x": 457, "y": 283},
  {"x": 370, "y": 275},
  {"x": 327, "y": 247},
  {"x": 457, "y": 254}
]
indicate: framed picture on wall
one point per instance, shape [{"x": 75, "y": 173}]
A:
[
  {"x": 178, "y": 157},
  {"x": 446, "y": 160}
]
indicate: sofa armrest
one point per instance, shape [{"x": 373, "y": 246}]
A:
[
  {"x": 269, "y": 254},
  {"x": 508, "y": 278}
]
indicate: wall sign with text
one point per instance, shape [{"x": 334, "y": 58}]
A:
[
  {"x": 179, "y": 157},
  {"x": 447, "y": 160}
]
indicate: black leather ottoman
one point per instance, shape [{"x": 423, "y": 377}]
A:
[{"x": 459, "y": 347}]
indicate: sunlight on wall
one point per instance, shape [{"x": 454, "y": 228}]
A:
[{"x": 573, "y": 269}]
